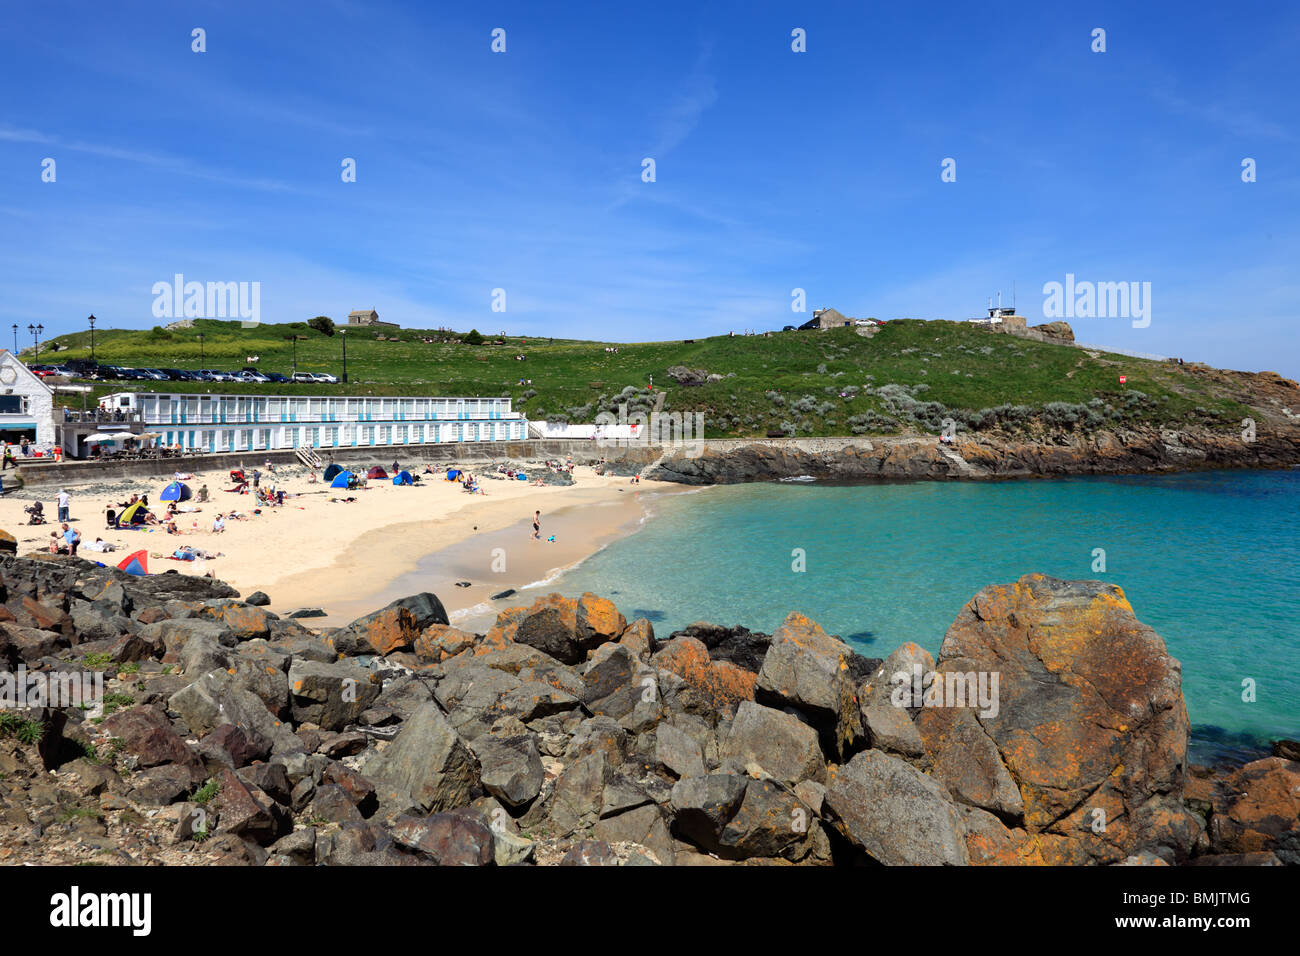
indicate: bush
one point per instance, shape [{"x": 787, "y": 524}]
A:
[
  {"x": 322, "y": 324},
  {"x": 472, "y": 337}
]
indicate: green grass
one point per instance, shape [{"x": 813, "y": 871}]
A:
[
  {"x": 790, "y": 381},
  {"x": 204, "y": 794},
  {"x": 27, "y": 731}
]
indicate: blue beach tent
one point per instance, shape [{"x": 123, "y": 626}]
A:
[
  {"x": 332, "y": 470},
  {"x": 341, "y": 479},
  {"x": 176, "y": 491},
  {"x": 402, "y": 478}
]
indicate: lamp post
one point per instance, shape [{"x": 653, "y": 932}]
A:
[
  {"x": 15, "y": 340},
  {"x": 344, "y": 333},
  {"x": 202, "y": 361},
  {"x": 294, "y": 340},
  {"x": 91, "y": 320},
  {"x": 36, "y": 331}
]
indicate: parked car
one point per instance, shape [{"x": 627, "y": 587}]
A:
[
  {"x": 326, "y": 377},
  {"x": 156, "y": 374},
  {"x": 275, "y": 377},
  {"x": 253, "y": 375},
  {"x": 303, "y": 377},
  {"x": 41, "y": 371}
]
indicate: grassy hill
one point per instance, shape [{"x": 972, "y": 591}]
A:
[{"x": 909, "y": 376}]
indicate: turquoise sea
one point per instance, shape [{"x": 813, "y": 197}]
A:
[{"x": 1211, "y": 560}]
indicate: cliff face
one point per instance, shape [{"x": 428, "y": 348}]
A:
[{"x": 894, "y": 459}]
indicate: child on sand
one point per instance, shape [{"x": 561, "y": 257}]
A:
[{"x": 537, "y": 526}]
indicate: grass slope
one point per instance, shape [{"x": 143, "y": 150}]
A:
[{"x": 909, "y": 376}]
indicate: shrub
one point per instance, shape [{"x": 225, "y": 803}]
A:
[
  {"x": 322, "y": 324},
  {"x": 472, "y": 337}
]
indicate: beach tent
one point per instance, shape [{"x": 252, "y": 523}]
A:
[
  {"x": 341, "y": 479},
  {"x": 452, "y": 474},
  {"x": 402, "y": 478},
  {"x": 376, "y": 472},
  {"x": 176, "y": 491},
  {"x": 137, "y": 563},
  {"x": 520, "y": 476},
  {"x": 332, "y": 470},
  {"x": 134, "y": 514}
]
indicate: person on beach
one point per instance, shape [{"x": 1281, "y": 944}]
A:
[
  {"x": 65, "y": 505},
  {"x": 218, "y": 524},
  {"x": 71, "y": 538},
  {"x": 9, "y": 457},
  {"x": 537, "y": 526},
  {"x": 257, "y": 478},
  {"x": 203, "y": 492}
]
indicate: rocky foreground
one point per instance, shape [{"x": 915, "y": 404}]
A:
[{"x": 228, "y": 735}]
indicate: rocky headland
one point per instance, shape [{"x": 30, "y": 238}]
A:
[{"x": 569, "y": 735}]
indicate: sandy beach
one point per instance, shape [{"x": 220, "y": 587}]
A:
[{"x": 349, "y": 558}]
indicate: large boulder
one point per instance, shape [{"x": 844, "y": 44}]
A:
[
  {"x": 511, "y": 767},
  {"x": 895, "y": 813},
  {"x": 783, "y": 745},
  {"x": 818, "y": 674},
  {"x": 1086, "y": 715},
  {"x": 330, "y": 695},
  {"x": 428, "y": 760},
  {"x": 1259, "y": 809},
  {"x": 567, "y": 628},
  {"x": 395, "y": 627}
]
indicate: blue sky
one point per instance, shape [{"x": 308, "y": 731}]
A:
[{"x": 775, "y": 170}]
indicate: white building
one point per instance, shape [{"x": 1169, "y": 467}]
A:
[
  {"x": 26, "y": 403},
  {"x": 220, "y": 423}
]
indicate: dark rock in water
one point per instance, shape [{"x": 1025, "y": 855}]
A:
[
  {"x": 503, "y": 594},
  {"x": 739, "y": 645},
  {"x": 307, "y": 612},
  {"x": 1287, "y": 749},
  {"x": 462, "y": 584},
  {"x": 258, "y": 599}
]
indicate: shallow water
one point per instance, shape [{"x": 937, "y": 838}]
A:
[{"x": 1210, "y": 560}]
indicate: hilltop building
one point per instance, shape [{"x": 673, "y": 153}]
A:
[
  {"x": 233, "y": 423},
  {"x": 26, "y": 403},
  {"x": 366, "y": 318}
]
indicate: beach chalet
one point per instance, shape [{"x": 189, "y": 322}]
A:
[
  {"x": 26, "y": 403},
  {"x": 233, "y": 423}
]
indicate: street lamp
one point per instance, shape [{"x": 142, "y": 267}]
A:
[
  {"x": 15, "y": 340},
  {"x": 91, "y": 320},
  {"x": 202, "y": 361},
  {"x": 344, "y": 333},
  {"x": 36, "y": 331},
  {"x": 294, "y": 339}
]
